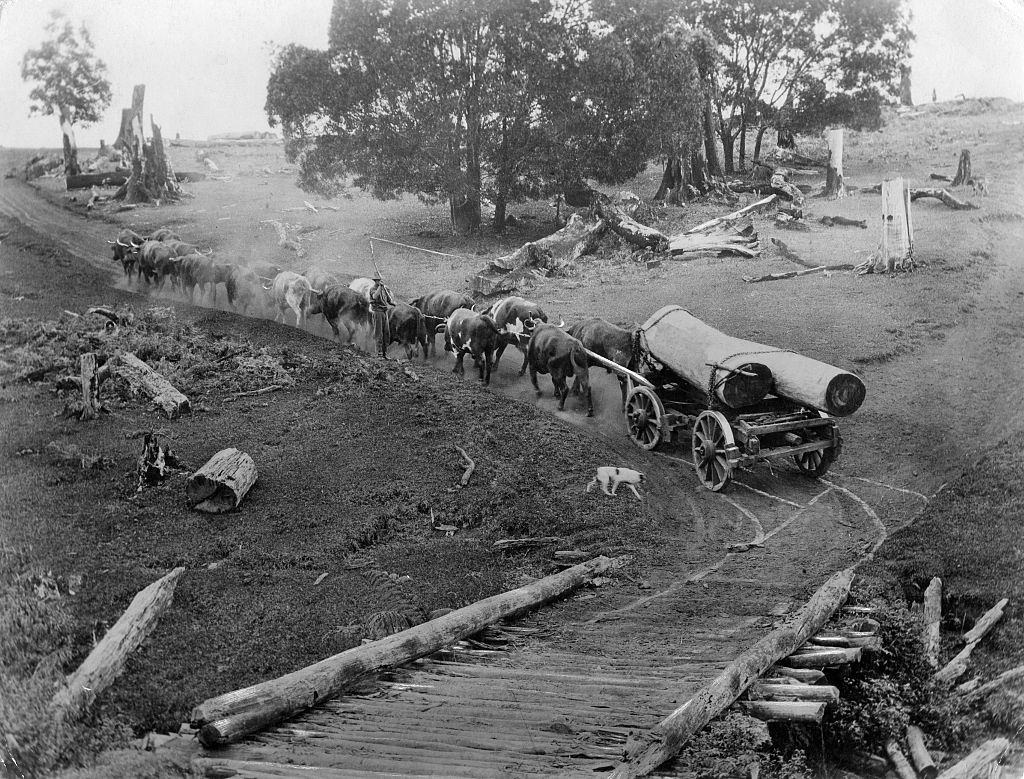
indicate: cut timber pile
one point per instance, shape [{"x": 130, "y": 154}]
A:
[
  {"x": 221, "y": 484},
  {"x": 669, "y": 736},
  {"x": 107, "y": 659},
  {"x": 144, "y": 379},
  {"x": 229, "y": 717},
  {"x": 516, "y": 272},
  {"x": 705, "y": 356}
]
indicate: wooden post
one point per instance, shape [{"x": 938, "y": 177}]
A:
[
  {"x": 963, "y": 169},
  {"x": 670, "y": 735},
  {"x": 90, "y": 387},
  {"x": 897, "y": 246},
  {"x": 919, "y": 753},
  {"x": 932, "y": 620},
  {"x": 222, "y": 483},
  {"x": 231, "y": 716},
  {"x": 107, "y": 659},
  {"x": 834, "y": 187}
]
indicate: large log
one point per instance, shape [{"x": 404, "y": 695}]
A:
[
  {"x": 932, "y": 620},
  {"x": 986, "y": 622},
  {"x": 899, "y": 760},
  {"x": 735, "y": 237},
  {"x": 106, "y": 661},
  {"x": 143, "y": 378},
  {"x": 116, "y": 179},
  {"x": 1005, "y": 678},
  {"x": 686, "y": 345},
  {"x": 823, "y": 658},
  {"x": 233, "y": 715},
  {"x": 977, "y": 764},
  {"x": 628, "y": 228},
  {"x": 222, "y": 483},
  {"x": 807, "y": 712},
  {"x": 669, "y": 736},
  {"x": 805, "y": 675},
  {"x": 923, "y": 763},
  {"x": 796, "y": 692}
]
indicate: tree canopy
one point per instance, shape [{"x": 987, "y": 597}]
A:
[
  {"x": 70, "y": 80},
  {"x": 465, "y": 99}
]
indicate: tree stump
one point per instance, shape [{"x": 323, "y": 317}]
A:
[
  {"x": 834, "y": 188},
  {"x": 144, "y": 379},
  {"x": 90, "y": 387},
  {"x": 221, "y": 484},
  {"x": 963, "y": 169}
]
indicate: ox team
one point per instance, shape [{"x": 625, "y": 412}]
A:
[{"x": 367, "y": 305}]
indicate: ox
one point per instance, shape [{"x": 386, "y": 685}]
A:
[
  {"x": 319, "y": 278},
  {"x": 290, "y": 290},
  {"x": 126, "y": 248},
  {"x": 553, "y": 351},
  {"x": 515, "y": 317},
  {"x": 199, "y": 270},
  {"x": 244, "y": 288},
  {"x": 164, "y": 234},
  {"x": 153, "y": 257},
  {"x": 408, "y": 327},
  {"x": 342, "y": 307},
  {"x": 363, "y": 286},
  {"x": 437, "y": 307},
  {"x": 475, "y": 334},
  {"x": 611, "y": 342}
]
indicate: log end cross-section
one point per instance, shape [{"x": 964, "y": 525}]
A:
[{"x": 222, "y": 483}]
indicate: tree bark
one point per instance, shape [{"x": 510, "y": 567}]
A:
[
  {"x": 222, "y": 483},
  {"x": 628, "y": 228},
  {"x": 144, "y": 379},
  {"x": 672, "y": 733},
  {"x": 671, "y": 181},
  {"x": 963, "y": 169},
  {"x": 71, "y": 166},
  {"x": 710, "y": 147},
  {"x": 728, "y": 142},
  {"x": 743, "y": 140},
  {"x": 106, "y": 661},
  {"x": 229, "y": 717}
]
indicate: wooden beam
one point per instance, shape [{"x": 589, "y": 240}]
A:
[
  {"x": 229, "y": 717},
  {"x": 809, "y": 712},
  {"x": 106, "y": 661},
  {"x": 669, "y": 736}
]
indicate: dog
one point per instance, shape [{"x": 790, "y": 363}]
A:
[
  {"x": 611, "y": 476},
  {"x": 979, "y": 186}
]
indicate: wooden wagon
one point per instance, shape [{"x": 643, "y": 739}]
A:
[{"x": 739, "y": 402}]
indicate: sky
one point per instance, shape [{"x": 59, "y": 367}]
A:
[{"x": 205, "y": 63}]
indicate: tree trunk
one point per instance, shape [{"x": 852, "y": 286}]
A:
[
  {"x": 963, "y": 169},
  {"x": 233, "y": 715},
  {"x": 700, "y": 178},
  {"x": 222, "y": 483},
  {"x": 144, "y": 379},
  {"x": 671, "y": 180},
  {"x": 628, "y": 228},
  {"x": 71, "y": 167},
  {"x": 905, "y": 98},
  {"x": 977, "y": 763},
  {"x": 757, "y": 141},
  {"x": 500, "y": 208},
  {"x": 671, "y": 734},
  {"x": 899, "y": 761},
  {"x": 743, "y": 140},
  {"x": 106, "y": 661},
  {"x": 728, "y": 141},
  {"x": 710, "y": 148},
  {"x": 834, "y": 187}
]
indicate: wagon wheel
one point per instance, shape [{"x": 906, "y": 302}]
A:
[
  {"x": 712, "y": 434},
  {"x": 816, "y": 464},
  {"x": 644, "y": 417}
]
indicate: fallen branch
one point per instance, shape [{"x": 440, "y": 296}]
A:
[
  {"x": 628, "y": 228},
  {"x": 986, "y": 622},
  {"x": 470, "y": 467},
  {"x": 955, "y": 668},
  {"x": 977, "y": 763},
  {"x": 735, "y": 236},
  {"x": 788, "y": 254},
  {"x": 672, "y": 733},
  {"x": 231, "y": 716},
  {"x": 752, "y": 208},
  {"x": 932, "y": 620},
  {"x": 923, "y": 762},
  {"x": 945, "y": 196},
  {"x": 939, "y": 177},
  {"x": 899, "y": 760},
  {"x": 106, "y": 661},
  {"x": 795, "y": 273},
  {"x": 410, "y": 246},
  {"x": 108, "y": 313}
]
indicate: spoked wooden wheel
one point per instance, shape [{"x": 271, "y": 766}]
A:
[
  {"x": 712, "y": 437},
  {"x": 816, "y": 464},
  {"x": 644, "y": 415}
]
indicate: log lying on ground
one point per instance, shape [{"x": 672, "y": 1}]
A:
[
  {"x": 899, "y": 760},
  {"x": 1000, "y": 681},
  {"x": 672, "y": 733},
  {"x": 229, "y": 717},
  {"x": 792, "y": 157},
  {"x": 686, "y": 345},
  {"x": 932, "y": 620},
  {"x": 805, "y": 675},
  {"x": 955, "y": 668},
  {"x": 222, "y": 483},
  {"x": 923, "y": 763},
  {"x": 753, "y": 208},
  {"x": 823, "y": 658},
  {"x": 628, "y": 228},
  {"x": 735, "y": 237},
  {"x": 106, "y": 661},
  {"x": 986, "y": 622},
  {"x": 763, "y": 691},
  {"x": 830, "y": 221},
  {"x": 511, "y": 272},
  {"x": 939, "y": 177},
  {"x": 788, "y": 254},
  {"x": 796, "y": 273},
  {"x": 945, "y": 196},
  {"x": 807, "y": 712},
  {"x": 977, "y": 764},
  {"x": 144, "y": 379},
  {"x": 118, "y": 178}
]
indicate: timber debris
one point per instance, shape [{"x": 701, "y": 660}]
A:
[{"x": 222, "y": 483}]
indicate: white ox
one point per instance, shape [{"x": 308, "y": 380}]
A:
[
  {"x": 292, "y": 290},
  {"x": 362, "y": 286}
]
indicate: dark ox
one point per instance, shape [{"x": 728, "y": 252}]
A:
[
  {"x": 515, "y": 317},
  {"x": 475, "y": 334},
  {"x": 125, "y": 248},
  {"x": 437, "y": 307},
  {"x": 409, "y": 328},
  {"x": 344, "y": 310},
  {"x": 556, "y": 352},
  {"x": 154, "y": 258},
  {"x": 199, "y": 270},
  {"x": 244, "y": 289},
  {"x": 164, "y": 234},
  {"x": 611, "y": 342}
]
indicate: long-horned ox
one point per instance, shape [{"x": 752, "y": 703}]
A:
[
  {"x": 437, "y": 307},
  {"x": 293, "y": 291},
  {"x": 606, "y": 340},
  {"x": 343, "y": 308},
  {"x": 468, "y": 332},
  {"x": 408, "y": 328},
  {"x": 516, "y": 318},
  {"x": 554, "y": 351}
]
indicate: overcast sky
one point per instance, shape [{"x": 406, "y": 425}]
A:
[{"x": 205, "y": 63}]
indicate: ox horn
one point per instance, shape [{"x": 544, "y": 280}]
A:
[
  {"x": 111, "y": 242},
  {"x": 561, "y": 323},
  {"x": 441, "y": 328},
  {"x": 126, "y": 245}
]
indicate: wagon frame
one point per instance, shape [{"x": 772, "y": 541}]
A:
[{"x": 722, "y": 438}]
